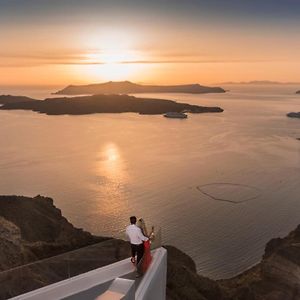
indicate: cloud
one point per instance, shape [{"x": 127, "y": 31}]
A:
[
  {"x": 199, "y": 61},
  {"x": 40, "y": 59}
]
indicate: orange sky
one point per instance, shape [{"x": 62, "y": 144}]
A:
[{"x": 46, "y": 49}]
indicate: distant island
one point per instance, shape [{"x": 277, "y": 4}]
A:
[
  {"x": 127, "y": 87},
  {"x": 260, "y": 82},
  {"x": 294, "y": 114},
  {"x": 33, "y": 229},
  {"x": 298, "y": 92},
  {"x": 107, "y": 104},
  {"x": 4, "y": 99}
]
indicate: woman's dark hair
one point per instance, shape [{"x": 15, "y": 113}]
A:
[{"x": 133, "y": 220}]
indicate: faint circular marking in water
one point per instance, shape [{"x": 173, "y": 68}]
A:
[{"x": 234, "y": 193}]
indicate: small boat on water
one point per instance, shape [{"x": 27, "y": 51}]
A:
[{"x": 175, "y": 115}]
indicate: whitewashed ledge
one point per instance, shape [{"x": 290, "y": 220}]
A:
[{"x": 112, "y": 282}]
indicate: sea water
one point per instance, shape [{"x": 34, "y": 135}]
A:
[{"x": 220, "y": 185}]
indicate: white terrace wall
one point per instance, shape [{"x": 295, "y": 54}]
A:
[{"x": 90, "y": 285}]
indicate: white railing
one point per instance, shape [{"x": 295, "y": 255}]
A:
[
  {"x": 71, "y": 265},
  {"x": 153, "y": 285},
  {"x": 94, "y": 284}
]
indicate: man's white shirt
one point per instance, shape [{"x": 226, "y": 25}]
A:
[{"x": 135, "y": 234}]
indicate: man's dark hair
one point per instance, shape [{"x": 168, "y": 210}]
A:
[{"x": 133, "y": 219}]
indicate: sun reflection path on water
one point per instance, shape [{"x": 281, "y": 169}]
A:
[
  {"x": 111, "y": 189},
  {"x": 112, "y": 153}
]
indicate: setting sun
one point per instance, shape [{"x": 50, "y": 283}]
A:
[
  {"x": 109, "y": 71},
  {"x": 111, "y": 55}
]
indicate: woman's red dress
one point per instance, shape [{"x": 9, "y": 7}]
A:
[{"x": 147, "y": 258}]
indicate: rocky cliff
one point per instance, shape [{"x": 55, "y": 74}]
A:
[
  {"x": 36, "y": 229},
  {"x": 11, "y": 248},
  {"x": 33, "y": 228},
  {"x": 276, "y": 277}
]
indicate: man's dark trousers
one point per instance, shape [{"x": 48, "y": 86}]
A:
[{"x": 137, "y": 250}]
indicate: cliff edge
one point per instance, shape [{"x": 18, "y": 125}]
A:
[
  {"x": 33, "y": 228},
  {"x": 276, "y": 277}
]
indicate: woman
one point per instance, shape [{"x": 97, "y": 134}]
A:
[{"x": 147, "y": 258}]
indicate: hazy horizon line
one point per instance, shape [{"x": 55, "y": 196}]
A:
[{"x": 253, "y": 82}]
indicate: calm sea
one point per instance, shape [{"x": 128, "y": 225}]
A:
[{"x": 219, "y": 185}]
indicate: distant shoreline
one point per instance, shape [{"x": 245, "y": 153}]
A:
[
  {"x": 258, "y": 82},
  {"x": 127, "y": 87}
]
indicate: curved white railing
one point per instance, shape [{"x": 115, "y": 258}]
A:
[
  {"x": 94, "y": 284},
  {"x": 74, "y": 267}
]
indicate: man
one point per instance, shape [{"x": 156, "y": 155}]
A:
[{"x": 136, "y": 239}]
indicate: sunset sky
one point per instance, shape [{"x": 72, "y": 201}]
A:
[{"x": 70, "y": 41}]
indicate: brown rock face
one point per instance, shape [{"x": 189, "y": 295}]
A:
[
  {"x": 10, "y": 245},
  {"x": 281, "y": 265},
  {"x": 32, "y": 229},
  {"x": 276, "y": 277},
  {"x": 37, "y": 229},
  {"x": 183, "y": 282}
]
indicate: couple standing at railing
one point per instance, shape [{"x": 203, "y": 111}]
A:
[{"x": 140, "y": 241}]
